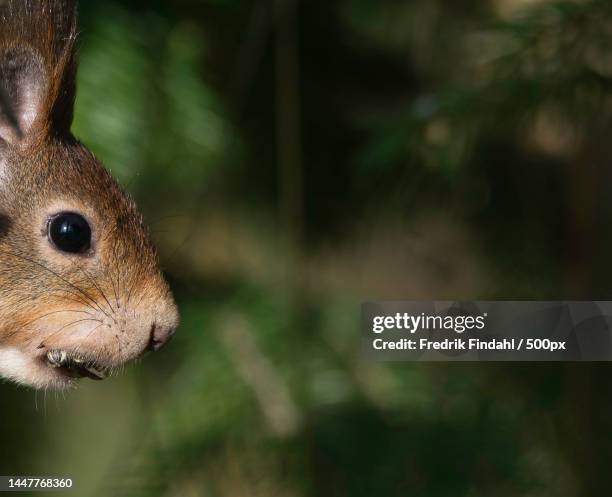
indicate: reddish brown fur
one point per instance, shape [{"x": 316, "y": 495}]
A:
[
  {"x": 44, "y": 169},
  {"x": 48, "y": 29}
]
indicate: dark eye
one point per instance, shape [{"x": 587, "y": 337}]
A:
[{"x": 69, "y": 232}]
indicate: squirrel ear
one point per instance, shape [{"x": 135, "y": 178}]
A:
[
  {"x": 37, "y": 68},
  {"x": 22, "y": 82}
]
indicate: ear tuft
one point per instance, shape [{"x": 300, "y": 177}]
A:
[{"x": 37, "y": 69}]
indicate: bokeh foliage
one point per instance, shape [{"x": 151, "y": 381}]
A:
[{"x": 436, "y": 149}]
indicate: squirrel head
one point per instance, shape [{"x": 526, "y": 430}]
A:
[{"x": 81, "y": 291}]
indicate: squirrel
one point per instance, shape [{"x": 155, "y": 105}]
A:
[{"x": 81, "y": 290}]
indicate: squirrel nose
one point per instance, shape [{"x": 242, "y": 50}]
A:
[{"x": 159, "y": 336}]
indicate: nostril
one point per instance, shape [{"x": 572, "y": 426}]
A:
[{"x": 159, "y": 336}]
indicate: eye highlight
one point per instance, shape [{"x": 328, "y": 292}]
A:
[{"x": 70, "y": 232}]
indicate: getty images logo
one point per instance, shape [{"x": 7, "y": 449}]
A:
[{"x": 413, "y": 323}]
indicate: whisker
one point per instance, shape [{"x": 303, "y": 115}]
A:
[
  {"x": 112, "y": 280},
  {"x": 78, "y": 300},
  {"x": 111, "y": 309},
  {"x": 115, "y": 262},
  {"x": 70, "y": 324},
  {"x": 56, "y": 274},
  {"x": 44, "y": 316},
  {"x": 91, "y": 331}
]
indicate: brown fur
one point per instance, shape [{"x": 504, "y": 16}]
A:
[
  {"x": 44, "y": 33},
  {"x": 105, "y": 304}
]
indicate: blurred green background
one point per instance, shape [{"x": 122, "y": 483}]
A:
[{"x": 296, "y": 158}]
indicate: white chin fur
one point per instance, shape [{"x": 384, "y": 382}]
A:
[{"x": 22, "y": 368}]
